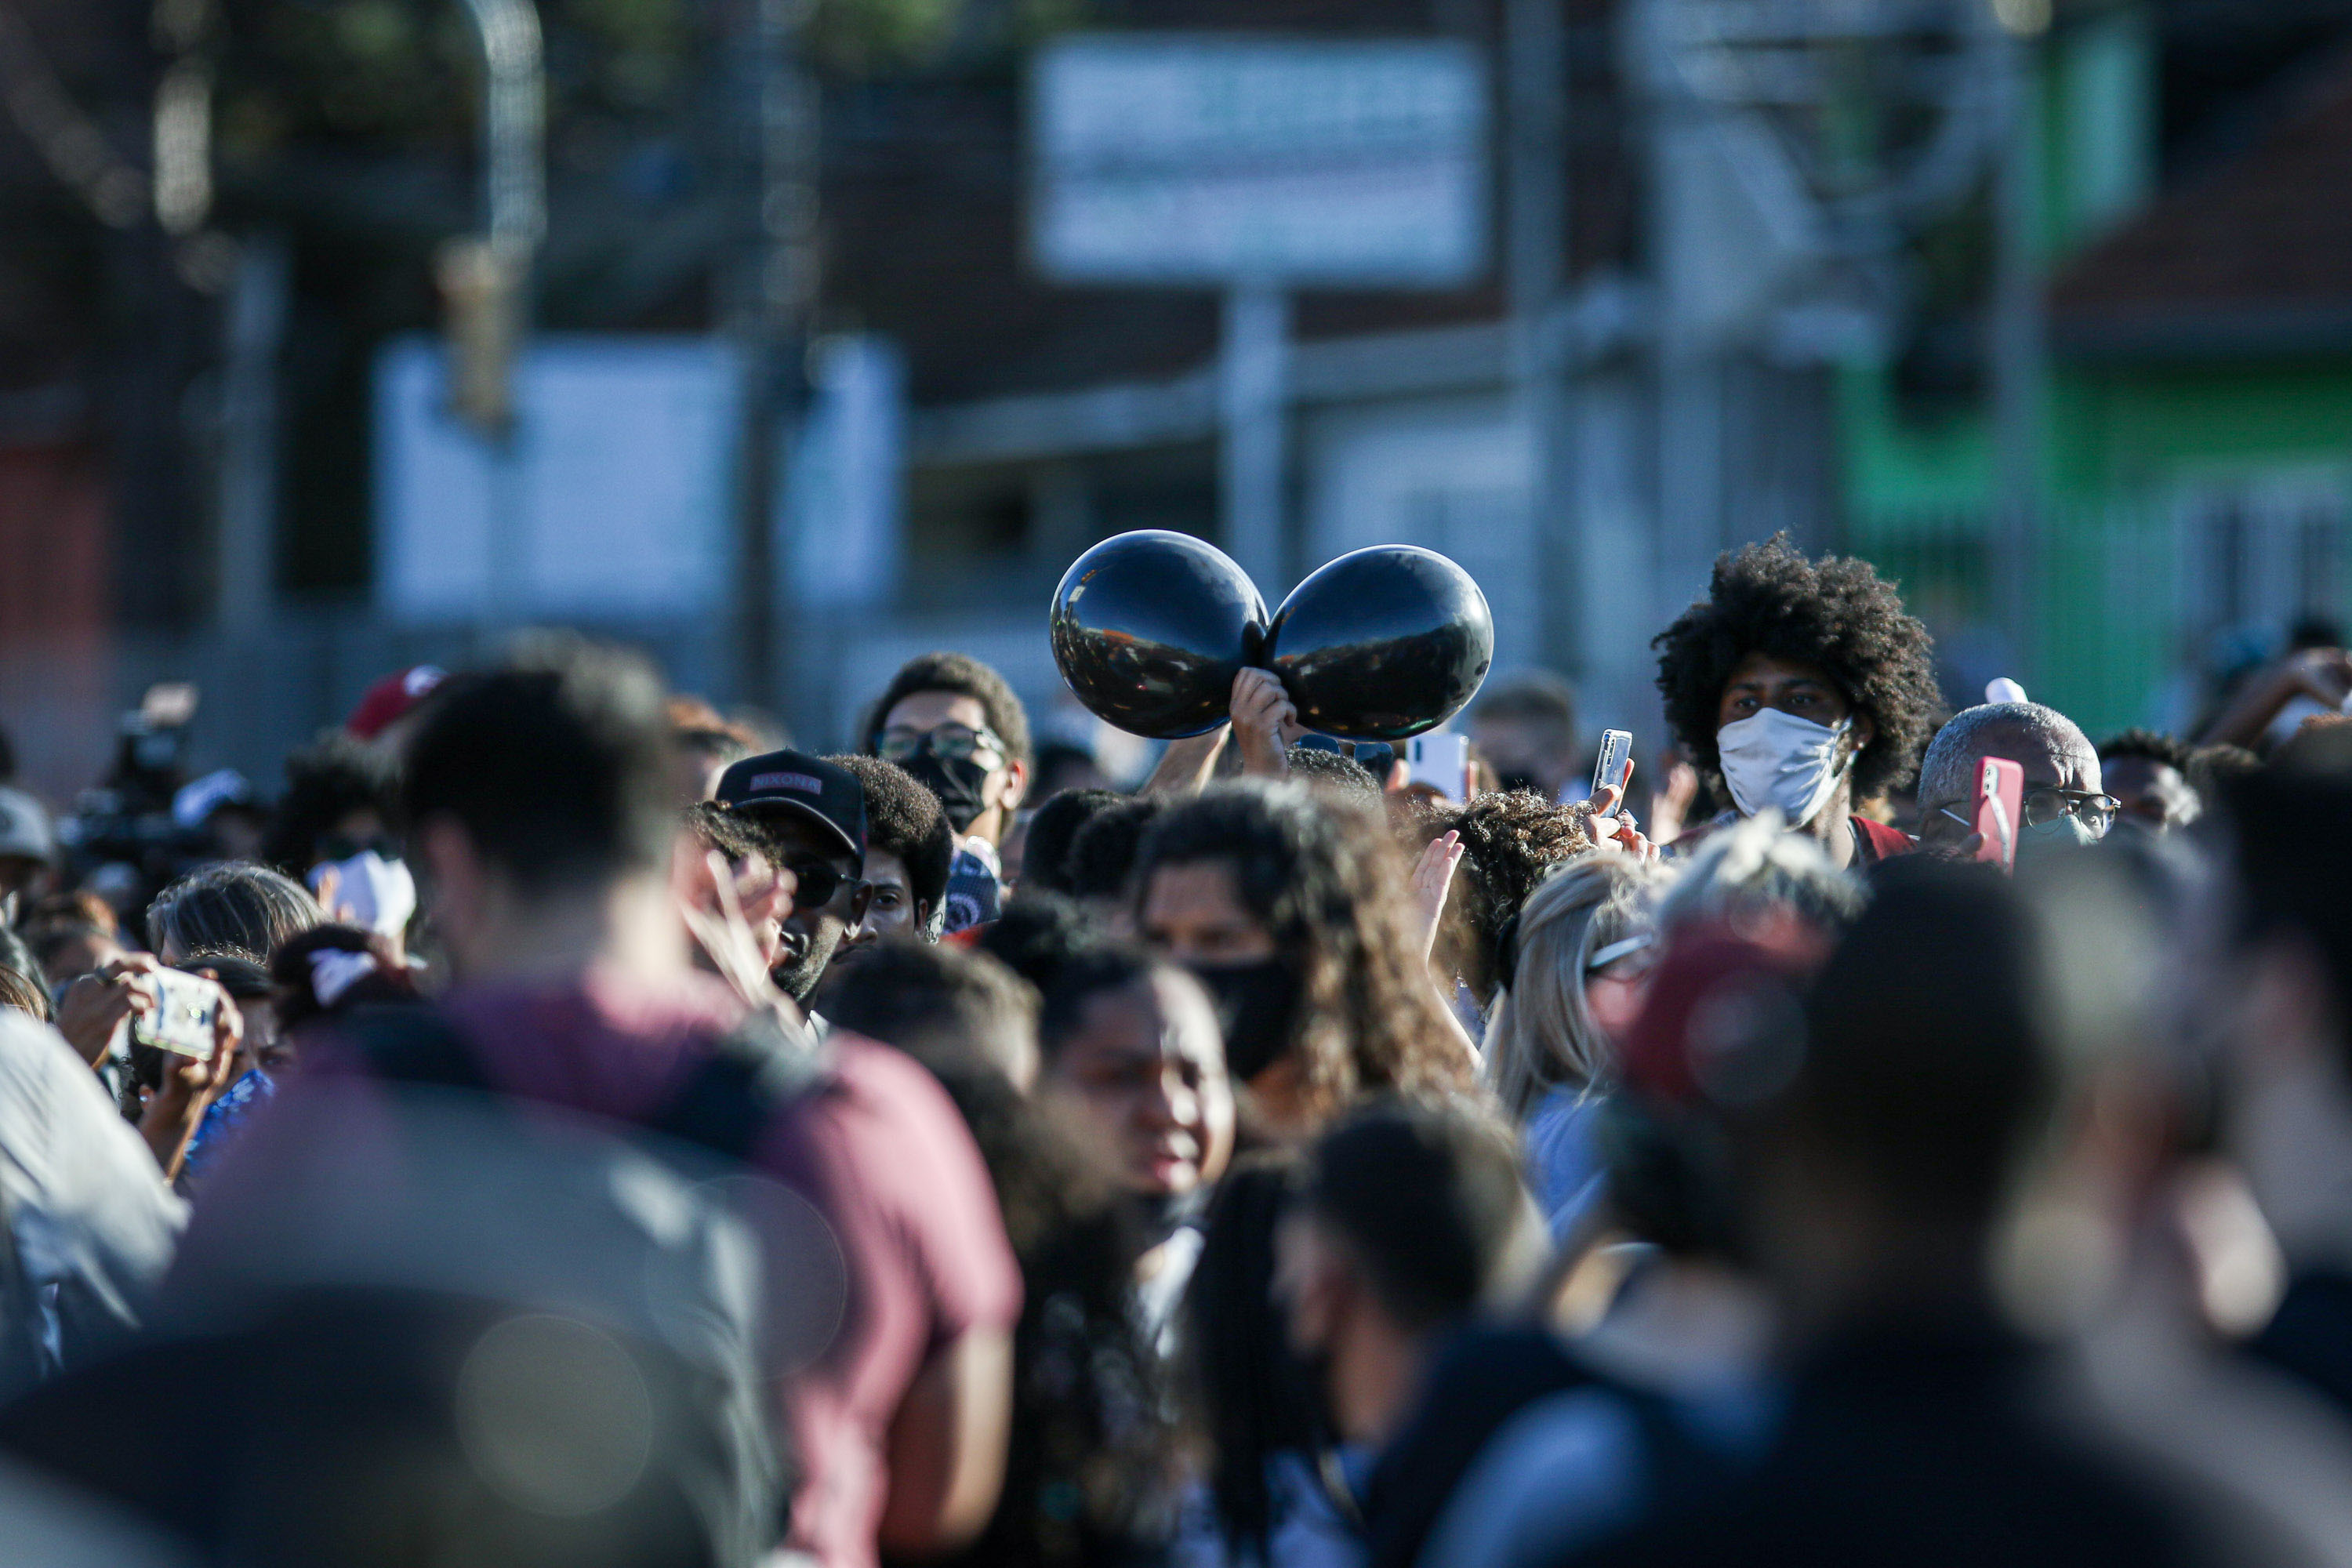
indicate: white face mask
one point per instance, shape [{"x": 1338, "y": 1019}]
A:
[
  {"x": 377, "y": 893},
  {"x": 1776, "y": 759}
]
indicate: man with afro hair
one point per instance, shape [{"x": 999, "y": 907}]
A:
[{"x": 1803, "y": 687}]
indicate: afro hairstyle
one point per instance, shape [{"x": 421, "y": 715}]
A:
[
  {"x": 1102, "y": 856},
  {"x": 963, "y": 676},
  {"x": 329, "y": 780},
  {"x": 905, "y": 819},
  {"x": 1836, "y": 613},
  {"x": 1045, "y": 863}
]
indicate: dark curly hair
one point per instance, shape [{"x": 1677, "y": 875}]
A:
[
  {"x": 2147, "y": 745},
  {"x": 1101, "y": 857},
  {"x": 1332, "y": 897},
  {"x": 1055, "y": 827},
  {"x": 1508, "y": 841},
  {"x": 965, "y": 676},
  {"x": 1836, "y": 613},
  {"x": 326, "y": 782},
  {"x": 905, "y": 819}
]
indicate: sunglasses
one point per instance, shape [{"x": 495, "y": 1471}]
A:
[
  {"x": 815, "y": 883},
  {"x": 343, "y": 845},
  {"x": 948, "y": 743}
]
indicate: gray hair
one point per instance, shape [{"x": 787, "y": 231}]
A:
[
  {"x": 233, "y": 909},
  {"x": 1948, "y": 771},
  {"x": 1755, "y": 864},
  {"x": 1541, "y": 1036}
]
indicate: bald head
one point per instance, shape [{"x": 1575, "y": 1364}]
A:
[{"x": 2041, "y": 740}]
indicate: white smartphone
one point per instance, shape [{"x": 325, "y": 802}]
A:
[
  {"x": 1442, "y": 762},
  {"x": 1615, "y": 767},
  {"x": 182, "y": 1023}
]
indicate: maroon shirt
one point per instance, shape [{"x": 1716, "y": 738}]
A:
[{"x": 875, "y": 1146}]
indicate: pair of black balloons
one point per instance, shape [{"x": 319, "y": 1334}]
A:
[{"x": 1151, "y": 628}]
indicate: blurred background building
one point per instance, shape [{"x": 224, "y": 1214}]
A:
[{"x": 2045, "y": 306}]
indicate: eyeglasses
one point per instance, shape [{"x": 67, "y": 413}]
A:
[
  {"x": 2048, "y": 804},
  {"x": 948, "y": 743},
  {"x": 814, "y": 883}
]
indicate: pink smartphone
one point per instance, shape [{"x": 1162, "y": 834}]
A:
[{"x": 2001, "y": 810}]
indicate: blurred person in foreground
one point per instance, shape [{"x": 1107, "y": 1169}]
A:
[
  {"x": 1804, "y": 687},
  {"x": 910, "y": 854},
  {"x": 90, "y": 1223},
  {"x": 375, "y": 1170},
  {"x": 1091, "y": 1466},
  {"x": 956, "y": 725},
  {"x": 2287, "y": 1001},
  {"x": 1893, "y": 1142},
  {"x": 1295, "y": 920},
  {"x": 2063, "y": 805},
  {"x": 1324, "y": 1290}
]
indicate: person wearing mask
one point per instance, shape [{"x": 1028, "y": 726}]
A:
[
  {"x": 1410, "y": 1219},
  {"x": 2149, "y": 775},
  {"x": 574, "y": 993},
  {"x": 1525, "y": 728},
  {"x": 1575, "y": 968},
  {"x": 909, "y": 852},
  {"x": 1296, "y": 920},
  {"x": 1132, "y": 1042},
  {"x": 1803, "y": 688},
  {"x": 956, "y": 726},
  {"x": 811, "y": 814},
  {"x": 1398, "y": 1226},
  {"x": 332, "y": 832},
  {"x": 2063, "y": 805}
]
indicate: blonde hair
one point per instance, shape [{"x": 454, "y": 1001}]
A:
[{"x": 1542, "y": 1035}]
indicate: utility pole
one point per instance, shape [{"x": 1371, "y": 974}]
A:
[
  {"x": 2020, "y": 332},
  {"x": 772, "y": 324},
  {"x": 1535, "y": 49},
  {"x": 1253, "y": 405}
]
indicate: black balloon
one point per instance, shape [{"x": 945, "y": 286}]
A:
[
  {"x": 1382, "y": 643},
  {"x": 1150, "y": 629}
]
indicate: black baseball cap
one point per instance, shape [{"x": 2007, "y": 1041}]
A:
[{"x": 795, "y": 783}]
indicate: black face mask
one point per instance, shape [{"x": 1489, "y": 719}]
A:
[
  {"x": 957, "y": 781},
  {"x": 1254, "y": 1004}
]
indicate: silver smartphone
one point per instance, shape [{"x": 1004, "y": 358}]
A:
[
  {"x": 1615, "y": 767},
  {"x": 186, "y": 1007}
]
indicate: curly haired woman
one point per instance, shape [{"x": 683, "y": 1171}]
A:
[{"x": 1804, "y": 688}]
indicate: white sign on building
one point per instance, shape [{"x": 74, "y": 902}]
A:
[
  {"x": 1188, "y": 160},
  {"x": 610, "y": 501}
]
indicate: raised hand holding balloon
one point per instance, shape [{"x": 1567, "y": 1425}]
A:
[
  {"x": 1150, "y": 628},
  {"x": 1382, "y": 644}
]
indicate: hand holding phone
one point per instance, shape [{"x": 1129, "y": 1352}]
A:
[
  {"x": 187, "y": 1006},
  {"x": 1614, "y": 768},
  {"x": 2000, "y": 808}
]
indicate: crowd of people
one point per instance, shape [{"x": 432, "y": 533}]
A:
[{"x": 569, "y": 1125}]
